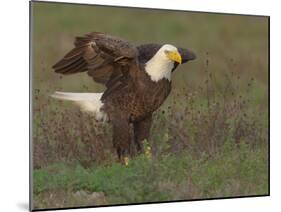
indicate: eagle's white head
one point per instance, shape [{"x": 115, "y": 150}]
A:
[{"x": 161, "y": 64}]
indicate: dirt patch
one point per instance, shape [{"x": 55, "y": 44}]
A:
[{"x": 61, "y": 198}]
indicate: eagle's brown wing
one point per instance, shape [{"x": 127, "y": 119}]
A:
[{"x": 103, "y": 56}]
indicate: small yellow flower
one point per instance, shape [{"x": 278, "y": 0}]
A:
[
  {"x": 126, "y": 161},
  {"x": 147, "y": 151}
]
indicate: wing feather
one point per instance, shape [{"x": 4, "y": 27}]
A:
[
  {"x": 99, "y": 54},
  {"x": 65, "y": 64}
]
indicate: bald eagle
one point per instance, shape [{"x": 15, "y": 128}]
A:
[{"x": 137, "y": 81}]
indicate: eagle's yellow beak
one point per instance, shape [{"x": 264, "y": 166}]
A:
[{"x": 174, "y": 55}]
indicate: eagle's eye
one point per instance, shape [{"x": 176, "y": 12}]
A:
[{"x": 166, "y": 52}]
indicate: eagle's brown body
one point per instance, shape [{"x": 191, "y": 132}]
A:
[
  {"x": 142, "y": 96},
  {"x": 131, "y": 96}
]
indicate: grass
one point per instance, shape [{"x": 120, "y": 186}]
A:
[
  {"x": 233, "y": 172},
  {"x": 209, "y": 138}
]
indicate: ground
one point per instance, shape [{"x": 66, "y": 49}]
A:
[{"x": 209, "y": 139}]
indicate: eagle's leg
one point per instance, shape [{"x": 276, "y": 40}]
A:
[
  {"x": 121, "y": 137},
  {"x": 141, "y": 132}
]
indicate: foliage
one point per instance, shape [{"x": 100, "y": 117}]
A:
[{"x": 233, "y": 172}]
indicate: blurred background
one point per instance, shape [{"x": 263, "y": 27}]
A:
[
  {"x": 217, "y": 111},
  {"x": 225, "y": 40}
]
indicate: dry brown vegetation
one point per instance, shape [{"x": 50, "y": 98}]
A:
[{"x": 183, "y": 123}]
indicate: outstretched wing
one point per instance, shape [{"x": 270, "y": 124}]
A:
[{"x": 103, "y": 56}]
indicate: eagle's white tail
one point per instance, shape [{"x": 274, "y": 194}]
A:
[{"x": 88, "y": 102}]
